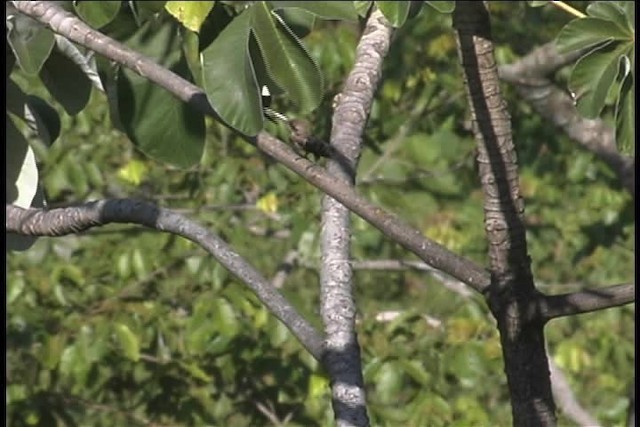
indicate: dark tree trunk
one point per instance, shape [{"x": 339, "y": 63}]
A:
[{"x": 512, "y": 292}]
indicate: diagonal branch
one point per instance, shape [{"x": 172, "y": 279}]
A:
[
  {"x": 337, "y": 305},
  {"x": 393, "y": 227},
  {"x": 62, "y": 221}
]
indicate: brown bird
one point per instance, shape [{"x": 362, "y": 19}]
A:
[{"x": 302, "y": 138}]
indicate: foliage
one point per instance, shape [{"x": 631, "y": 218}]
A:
[
  {"x": 604, "y": 74},
  {"x": 122, "y": 326}
]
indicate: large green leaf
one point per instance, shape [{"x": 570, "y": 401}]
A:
[
  {"x": 229, "y": 78},
  {"x": 589, "y": 32},
  {"x": 625, "y": 115},
  {"x": 611, "y": 11},
  {"x": 30, "y": 42},
  {"x": 592, "y": 78},
  {"x": 286, "y": 60},
  {"x": 160, "y": 125},
  {"x": 343, "y": 10},
  {"x": 66, "y": 82},
  {"x": 97, "y": 13},
  {"x": 396, "y": 12}
]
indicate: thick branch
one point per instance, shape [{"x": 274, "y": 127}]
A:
[
  {"x": 412, "y": 239},
  {"x": 585, "y": 301},
  {"x": 337, "y": 303},
  {"x": 512, "y": 290},
  {"x": 62, "y": 221}
]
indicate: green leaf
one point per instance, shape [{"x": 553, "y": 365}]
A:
[
  {"x": 611, "y": 11},
  {"x": 191, "y": 14},
  {"x": 97, "y": 13},
  {"x": 43, "y": 119},
  {"x": 229, "y": 78},
  {"x": 625, "y": 116},
  {"x": 160, "y": 125},
  {"x": 30, "y": 42},
  {"x": 225, "y": 318},
  {"x": 589, "y": 32},
  {"x": 592, "y": 78},
  {"x": 66, "y": 82},
  {"x": 442, "y": 6},
  {"x": 396, "y": 12},
  {"x": 128, "y": 341},
  {"x": 143, "y": 10},
  {"x": 286, "y": 60},
  {"x": 196, "y": 372},
  {"x": 339, "y": 10},
  {"x": 22, "y": 181},
  {"x": 362, "y": 7},
  {"x": 21, "y": 170}
]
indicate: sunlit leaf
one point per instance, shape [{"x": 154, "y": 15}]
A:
[
  {"x": 133, "y": 172},
  {"x": 268, "y": 203},
  {"x": 191, "y": 14},
  {"x": 128, "y": 341},
  {"x": 21, "y": 170}
]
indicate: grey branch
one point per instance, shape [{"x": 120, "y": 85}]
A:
[
  {"x": 337, "y": 304},
  {"x": 74, "y": 219}
]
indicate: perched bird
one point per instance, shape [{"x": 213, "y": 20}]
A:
[{"x": 302, "y": 138}]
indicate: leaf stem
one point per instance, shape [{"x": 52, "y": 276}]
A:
[{"x": 562, "y": 5}]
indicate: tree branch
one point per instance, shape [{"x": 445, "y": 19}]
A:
[
  {"x": 337, "y": 305},
  {"x": 567, "y": 399},
  {"x": 410, "y": 238},
  {"x": 584, "y": 301},
  {"x": 61, "y": 221},
  {"x": 512, "y": 288}
]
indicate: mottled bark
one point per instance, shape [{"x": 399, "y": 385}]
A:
[
  {"x": 337, "y": 303},
  {"x": 512, "y": 294}
]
